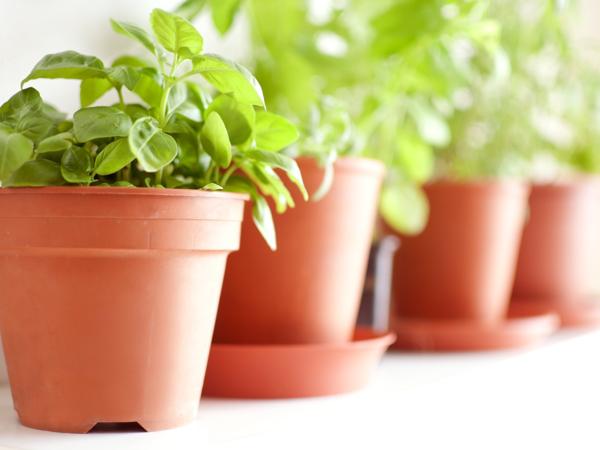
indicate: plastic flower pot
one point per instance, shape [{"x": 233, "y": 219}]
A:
[
  {"x": 462, "y": 265},
  {"x": 308, "y": 291},
  {"x": 108, "y": 301},
  {"x": 558, "y": 260}
]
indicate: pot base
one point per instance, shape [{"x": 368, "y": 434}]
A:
[
  {"x": 572, "y": 314},
  {"x": 291, "y": 371},
  {"x": 526, "y": 325}
]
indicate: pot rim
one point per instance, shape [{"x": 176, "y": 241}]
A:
[
  {"x": 477, "y": 182},
  {"x": 122, "y": 191},
  {"x": 354, "y": 164}
]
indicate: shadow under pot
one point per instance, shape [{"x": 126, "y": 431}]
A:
[
  {"x": 109, "y": 297},
  {"x": 558, "y": 261},
  {"x": 462, "y": 265},
  {"x": 308, "y": 291}
]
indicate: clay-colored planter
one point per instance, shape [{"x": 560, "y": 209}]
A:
[
  {"x": 309, "y": 290},
  {"x": 462, "y": 265},
  {"x": 109, "y": 297},
  {"x": 559, "y": 256}
]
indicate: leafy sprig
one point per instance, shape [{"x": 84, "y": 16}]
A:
[{"x": 178, "y": 135}]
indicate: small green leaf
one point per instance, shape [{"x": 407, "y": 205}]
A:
[
  {"x": 21, "y": 105},
  {"x": 100, "y": 122},
  {"x": 229, "y": 78},
  {"x": 148, "y": 87},
  {"x": 261, "y": 213},
  {"x": 114, "y": 157},
  {"x": 238, "y": 117},
  {"x": 69, "y": 64},
  {"x": 93, "y": 89},
  {"x": 152, "y": 147},
  {"x": 56, "y": 143},
  {"x": 136, "y": 33},
  {"x": 274, "y": 132},
  {"x": 41, "y": 172},
  {"x": 223, "y": 13},
  {"x": 35, "y": 127},
  {"x": 404, "y": 207},
  {"x": 15, "y": 150},
  {"x": 415, "y": 157},
  {"x": 282, "y": 162},
  {"x": 263, "y": 219},
  {"x": 175, "y": 33},
  {"x": 123, "y": 76},
  {"x": 76, "y": 165},
  {"x": 215, "y": 140},
  {"x": 212, "y": 187}
]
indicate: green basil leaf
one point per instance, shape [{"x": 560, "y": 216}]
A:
[
  {"x": 131, "y": 61},
  {"x": 175, "y": 33},
  {"x": 404, "y": 207},
  {"x": 177, "y": 97},
  {"x": 76, "y": 165},
  {"x": 56, "y": 143},
  {"x": 223, "y": 13},
  {"x": 215, "y": 140},
  {"x": 114, "y": 157},
  {"x": 152, "y": 147},
  {"x": 100, "y": 122},
  {"x": 123, "y": 76},
  {"x": 41, "y": 172},
  {"x": 69, "y": 64},
  {"x": 35, "y": 127},
  {"x": 263, "y": 219},
  {"x": 15, "y": 150},
  {"x": 238, "y": 117},
  {"x": 136, "y": 33},
  {"x": 21, "y": 105},
  {"x": 148, "y": 87},
  {"x": 229, "y": 78},
  {"x": 212, "y": 187},
  {"x": 261, "y": 213},
  {"x": 282, "y": 162},
  {"x": 136, "y": 111},
  {"x": 93, "y": 89},
  {"x": 274, "y": 132},
  {"x": 270, "y": 184}
]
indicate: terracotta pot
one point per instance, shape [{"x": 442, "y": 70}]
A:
[
  {"x": 109, "y": 297},
  {"x": 558, "y": 260},
  {"x": 462, "y": 265},
  {"x": 308, "y": 291}
]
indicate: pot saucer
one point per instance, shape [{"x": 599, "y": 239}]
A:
[
  {"x": 526, "y": 325},
  {"x": 288, "y": 371},
  {"x": 572, "y": 314}
]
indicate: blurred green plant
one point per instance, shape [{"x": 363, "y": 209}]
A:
[
  {"x": 393, "y": 66},
  {"x": 538, "y": 117}
]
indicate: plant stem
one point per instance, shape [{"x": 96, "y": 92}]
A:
[
  {"x": 228, "y": 174},
  {"x": 159, "y": 176},
  {"x": 121, "y": 99}
]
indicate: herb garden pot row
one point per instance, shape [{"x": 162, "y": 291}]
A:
[
  {"x": 143, "y": 269},
  {"x": 308, "y": 291},
  {"x": 452, "y": 282},
  {"x": 287, "y": 320},
  {"x": 558, "y": 260}
]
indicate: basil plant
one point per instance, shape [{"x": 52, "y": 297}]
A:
[{"x": 199, "y": 123}]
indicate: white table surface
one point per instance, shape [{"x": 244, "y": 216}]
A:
[{"x": 542, "y": 398}]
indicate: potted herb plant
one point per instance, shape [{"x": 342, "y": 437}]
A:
[
  {"x": 497, "y": 136},
  {"x": 558, "y": 259},
  {"x": 393, "y": 119},
  {"x": 117, "y": 223}
]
